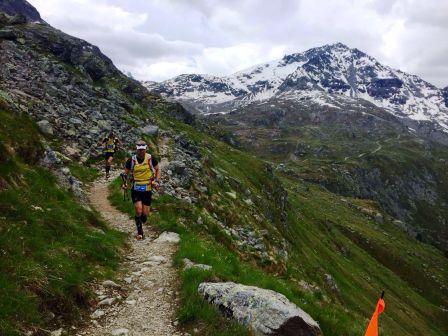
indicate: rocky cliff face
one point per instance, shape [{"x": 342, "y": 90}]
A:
[
  {"x": 69, "y": 87},
  {"x": 445, "y": 95},
  {"x": 21, "y": 7}
]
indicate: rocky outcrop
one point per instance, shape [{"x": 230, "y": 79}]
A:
[
  {"x": 445, "y": 95},
  {"x": 403, "y": 197},
  {"x": 180, "y": 113},
  {"x": 70, "y": 88},
  {"x": 264, "y": 311},
  {"x": 182, "y": 173},
  {"x": 150, "y": 130},
  {"x": 51, "y": 160},
  {"x": 188, "y": 264},
  {"x": 21, "y": 8}
]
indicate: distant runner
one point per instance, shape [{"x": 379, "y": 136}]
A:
[
  {"x": 144, "y": 172},
  {"x": 110, "y": 146}
]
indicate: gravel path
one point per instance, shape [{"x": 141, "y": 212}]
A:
[{"x": 145, "y": 301}]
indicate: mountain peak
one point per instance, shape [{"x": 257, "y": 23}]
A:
[
  {"x": 338, "y": 45},
  {"x": 327, "y": 48},
  {"x": 21, "y": 7}
]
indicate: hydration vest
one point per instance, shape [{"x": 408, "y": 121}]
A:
[
  {"x": 110, "y": 146},
  {"x": 142, "y": 173}
]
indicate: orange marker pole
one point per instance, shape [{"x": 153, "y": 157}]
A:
[{"x": 372, "y": 328}]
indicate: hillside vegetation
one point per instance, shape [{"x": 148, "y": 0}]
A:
[
  {"x": 355, "y": 153},
  {"x": 51, "y": 246},
  {"x": 317, "y": 248}
]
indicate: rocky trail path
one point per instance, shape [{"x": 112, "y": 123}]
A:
[{"x": 144, "y": 300}]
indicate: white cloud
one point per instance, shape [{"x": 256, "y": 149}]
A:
[
  {"x": 226, "y": 60},
  {"x": 159, "y": 39},
  {"x": 215, "y": 61}
]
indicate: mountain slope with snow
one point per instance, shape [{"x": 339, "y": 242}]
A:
[{"x": 335, "y": 70}]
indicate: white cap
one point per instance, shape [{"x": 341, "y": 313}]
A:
[{"x": 141, "y": 146}]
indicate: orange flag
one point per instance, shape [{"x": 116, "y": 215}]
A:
[{"x": 372, "y": 328}]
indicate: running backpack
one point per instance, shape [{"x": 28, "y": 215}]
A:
[{"x": 134, "y": 160}]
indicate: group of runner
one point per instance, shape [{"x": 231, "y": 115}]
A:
[{"x": 141, "y": 174}]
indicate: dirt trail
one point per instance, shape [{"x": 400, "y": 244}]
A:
[{"x": 149, "y": 280}]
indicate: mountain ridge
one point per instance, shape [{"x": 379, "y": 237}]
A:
[{"x": 334, "y": 69}]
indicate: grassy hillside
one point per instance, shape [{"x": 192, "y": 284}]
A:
[
  {"x": 51, "y": 247},
  {"x": 355, "y": 154},
  {"x": 322, "y": 233}
]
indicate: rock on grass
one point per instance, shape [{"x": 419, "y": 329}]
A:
[{"x": 264, "y": 311}]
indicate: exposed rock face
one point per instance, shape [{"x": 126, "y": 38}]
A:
[
  {"x": 20, "y": 7},
  {"x": 7, "y": 34},
  {"x": 402, "y": 197},
  {"x": 69, "y": 86},
  {"x": 179, "y": 174},
  {"x": 264, "y": 311},
  {"x": 445, "y": 95},
  {"x": 181, "y": 114}
]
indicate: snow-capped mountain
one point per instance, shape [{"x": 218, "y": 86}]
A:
[{"x": 325, "y": 73}]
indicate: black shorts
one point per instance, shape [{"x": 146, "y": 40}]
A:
[
  {"x": 141, "y": 196},
  {"x": 107, "y": 155}
]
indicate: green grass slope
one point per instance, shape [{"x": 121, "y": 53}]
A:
[
  {"x": 51, "y": 247},
  {"x": 356, "y": 155},
  {"x": 325, "y": 234}
]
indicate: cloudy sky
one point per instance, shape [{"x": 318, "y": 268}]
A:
[{"x": 159, "y": 39}]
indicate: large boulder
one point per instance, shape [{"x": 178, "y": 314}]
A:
[
  {"x": 7, "y": 34},
  {"x": 264, "y": 311},
  {"x": 150, "y": 130},
  {"x": 45, "y": 127},
  {"x": 178, "y": 167},
  {"x": 94, "y": 65}
]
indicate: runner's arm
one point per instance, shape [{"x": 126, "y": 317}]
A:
[
  {"x": 155, "y": 164},
  {"x": 127, "y": 169},
  {"x": 157, "y": 169},
  {"x": 117, "y": 144}
]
